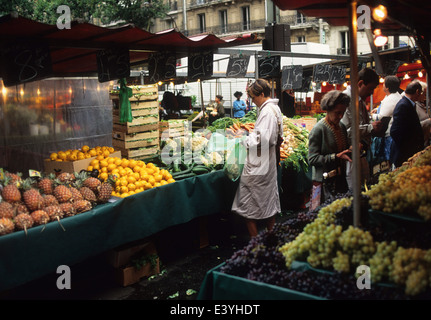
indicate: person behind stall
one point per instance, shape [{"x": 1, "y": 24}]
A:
[
  {"x": 239, "y": 106},
  {"x": 391, "y": 87},
  {"x": 218, "y": 111},
  {"x": 424, "y": 118},
  {"x": 169, "y": 105},
  {"x": 406, "y": 130},
  {"x": 289, "y": 103},
  {"x": 329, "y": 149},
  {"x": 368, "y": 80},
  {"x": 257, "y": 197}
]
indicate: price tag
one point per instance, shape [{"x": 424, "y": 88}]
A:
[
  {"x": 34, "y": 173},
  {"x": 269, "y": 67},
  {"x": 161, "y": 66},
  {"x": 23, "y": 62},
  {"x": 200, "y": 65},
  {"x": 291, "y": 77},
  {"x": 113, "y": 64},
  {"x": 237, "y": 66},
  {"x": 329, "y": 73}
]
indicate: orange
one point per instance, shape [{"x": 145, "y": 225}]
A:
[
  {"x": 158, "y": 177},
  {"x": 118, "y": 162},
  {"x": 123, "y": 182},
  {"x": 163, "y": 182},
  {"x": 100, "y": 157},
  {"x": 131, "y": 187},
  {"x": 148, "y": 186},
  {"x": 131, "y": 179},
  {"x": 85, "y": 148},
  {"x": 103, "y": 163},
  {"x": 150, "y": 171},
  {"x": 81, "y": 156},
  {"x": 171, "y": 180},
  {"x": 104, "y": 169},
  {"x": 93, "y": 152},
  {"x": 137, "y": 168},
  {"x": 110, "y": 160},
  {"x": 106, "y": 153},
  {"x": 124, "y": 162},
  {"x": 96, "y": 166},
  {"x": 62, "y": 155},
  {"x": 144, "y": 176},
  {"x": 87, "y": 155},
  {"x": 103, "y": 175},
  {"x": 124, "y": 189},
  {"x": 132, "y": 163},
  {"x": 53, "y": 156},
  {"x": 94, "y": 162},
  {"x": 111, "y": 167},
  {"x": 157, "y": 184},
  {"x": 111, "y": 149},
  {"x": 151, "y": 180},
  {"x": 90, "y": 168}
]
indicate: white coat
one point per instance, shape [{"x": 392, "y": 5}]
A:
[{"x": 257, "y": 194}]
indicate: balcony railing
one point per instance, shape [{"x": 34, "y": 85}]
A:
[{"x": 232, "y": 28}]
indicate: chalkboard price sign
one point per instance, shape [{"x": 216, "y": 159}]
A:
[
  {"x": 200, "y": 65},
  {"x": 113, "y": 64},
  {"x": 25, "y": 62},
  {"x": 237, "y": 66},
  {"x": 291, "y": 77},
  {"x": 391, "y": 67},
  {"x": 329, "y": 73},
  {"x": 161, "y": 66},
  {"x": 269, "y": 66}
]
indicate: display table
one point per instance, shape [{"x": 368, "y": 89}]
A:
[
  {"x": 221, "y": 286},
  {"x": 27, "y": 257}
]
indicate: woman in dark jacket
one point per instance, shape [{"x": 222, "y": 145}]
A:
[{"x": 329, "y": 148}]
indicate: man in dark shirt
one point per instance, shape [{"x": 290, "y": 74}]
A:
[{"x": 406, "y": 130}]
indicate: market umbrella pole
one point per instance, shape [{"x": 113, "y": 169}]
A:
[
  {"x": 356, "y": 183},
  {"x": 202, "y": 104}
]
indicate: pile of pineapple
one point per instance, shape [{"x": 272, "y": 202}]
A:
[
  {"x": 130, "y": 176},
  {"x": 29, "y": 202},
  {"x": 85, "y": 152}
]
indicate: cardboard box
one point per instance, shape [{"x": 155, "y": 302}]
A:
[
  {"x": 122, "y": 255},
  {"x": 58, "y": 167},
  {"x": 130, "y": 275}
]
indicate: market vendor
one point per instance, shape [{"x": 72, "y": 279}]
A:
[
  {"x": 329, "y": 149},
  {"x": 218, "y": 111},
  {"x": 257, "y": 196},
  {"x": 239, "y": 106}
]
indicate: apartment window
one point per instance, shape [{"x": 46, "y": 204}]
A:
[
  {"x": 344, "y": 42},
  {"x": 200, "y": 1},
  {"x": 246, "y": 18},
  {"x": 300, "y": 38},
  {"x": 300, "y": 17},
  {"x": 201, "y": 20},
  {"x": 223, "y": 21}
]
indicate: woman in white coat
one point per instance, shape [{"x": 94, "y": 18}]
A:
[{"x": 257, "y": 196}]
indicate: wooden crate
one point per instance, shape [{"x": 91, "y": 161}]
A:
[
  {"x": 172, "y": 128},
  {"x": 139, "y": 93},
  {"x": 135, "y": 140},
  {"x": 139, "y": 153}
]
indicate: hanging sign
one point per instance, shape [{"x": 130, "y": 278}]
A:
[
  {"x": 161, "y": 66},
  {"x": 200, "y": 65},
  {"x": 113, "y": 64},
  {"x": 329, "y": 73},
  {"x": 22, "y": 62},
  {"x": 291, "y": 77},
  {"x": 269, "y": 67},
  {"x": 237, "y": 66}
]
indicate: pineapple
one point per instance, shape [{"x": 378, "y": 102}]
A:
[
  {"x": 19, "y": 207},
  {"x": 82, "y": 206},
  {"x": 92, "y": 183},
  {"x": 40, "y": 217},
  {"x": 105, "y": 190},
  {"x": 23, "y": 221},
  {"x": 10, "y": 192},
  {"x": 88, "y": 194},
  {"x": 62, "y": 192},
  {"x": 66, "y": 178},
  {"x": 55, "y": 213},
  {"x": 49, "y": 200},
  {"x": 76, "y": 195},
  {"x": 6, "y": 226},
  {"x": 46, "y": 184},
  {"x": 68, "y": 209},
  {"x": 32, "y": 197},
  {"x": 16, "y": 178},
  {"x": 6, "y": 210}
]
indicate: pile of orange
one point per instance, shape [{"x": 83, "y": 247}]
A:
[
  {"x": 79, "y": 154},
  {"x": 131, "y": 176}
]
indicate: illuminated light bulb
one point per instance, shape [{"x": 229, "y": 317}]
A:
[
  {"x": 381, "y": 80},
  {"x": 380, "y": 13},
  {"x": 324, "y": 83},
  {"x": 379, "y": 40},
  {"x": 70, "y": 90},
  {"x": 345, "y": 84},
  {"x": 4, "y": 91},
  {"x": 406, "y": 76},
  {"x": 38, "y": 92},
  {"x": 21, "y": 91},
  {"x": 159, "y": 83},
  {"x": 420, "y": 74}
]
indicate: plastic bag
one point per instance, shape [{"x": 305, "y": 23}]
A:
[{"x": 235, "y": 160}]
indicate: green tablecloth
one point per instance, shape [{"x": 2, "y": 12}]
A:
[
  {"x": 25, "y": 258},
  {"x": 222, "y": 286}
]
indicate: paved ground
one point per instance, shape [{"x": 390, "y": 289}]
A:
[{"x": 183, "y": 265}]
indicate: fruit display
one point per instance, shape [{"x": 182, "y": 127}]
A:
[
  {"x": 128, "y": 176},
  {"x": 84, "y": 152},
  {"x": 318, "y": 252},
  {"x": 406, "y": 190},
  {"x": 39, "y": 200}
]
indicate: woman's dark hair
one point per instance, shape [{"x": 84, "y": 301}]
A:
[
  {"x": 392, "y": 83},
  {"x": 334, "y": 98},
  {"x": 258, "y": 87},
  {"x": 219, "y": 97},
  {"x": 237, "y": 94}
]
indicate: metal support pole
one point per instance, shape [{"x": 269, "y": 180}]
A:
[
  {"x": 355, "y": 113},
  {"x": 256, "y": 67}
]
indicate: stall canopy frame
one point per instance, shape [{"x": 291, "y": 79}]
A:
[{"x": 73, "y": 51}]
